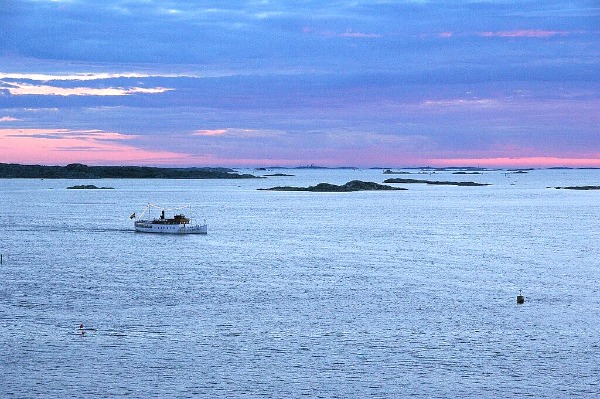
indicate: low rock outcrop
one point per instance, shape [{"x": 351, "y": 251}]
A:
[
  {"x": 354, "y": 185},
  {"x": 578, "y": 188},
  {"x": 438, "y": 183},
  {"x": 88, "y": 187}
]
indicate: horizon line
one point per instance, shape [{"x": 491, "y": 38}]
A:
[{"x": 313, "y": 166}]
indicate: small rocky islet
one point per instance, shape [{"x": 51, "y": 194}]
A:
[
  {"x": 437, "y": 183},
  {"x": 582, "y": 188},
  {"x": 88, "y": 187},
  {"x": 278, "y": 175},
  {"x": 354, "y": 185}
]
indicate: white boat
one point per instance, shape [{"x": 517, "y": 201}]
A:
[{"x": 178, "y": 224}]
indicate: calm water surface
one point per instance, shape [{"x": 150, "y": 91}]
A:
[{"x": 295, "y": 294}]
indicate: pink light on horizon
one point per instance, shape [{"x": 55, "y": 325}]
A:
[
  {"x": 94, "y": 147},
  {"x": 62, "y": 146},
  {"x": 519, "y": 162}
]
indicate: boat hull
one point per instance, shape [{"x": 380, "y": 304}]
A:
[{"x": 147, "y": 227}]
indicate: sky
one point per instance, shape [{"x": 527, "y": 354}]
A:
[{"x": 251, "y": 83}]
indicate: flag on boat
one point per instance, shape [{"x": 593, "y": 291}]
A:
[{"x": 132, "y": 215}]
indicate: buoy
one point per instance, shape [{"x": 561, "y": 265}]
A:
[{"x": 520, "y": 298}]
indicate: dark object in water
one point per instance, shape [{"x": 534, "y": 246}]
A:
[{"x": 520, "y": 298}]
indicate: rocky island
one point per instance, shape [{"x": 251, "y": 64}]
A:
[
  {"x": 81, "y": 171},
  {"x": 354, "y": 185},
  {"x": 578, "y": 188},
  {"x": 278, "y": 175},
  {"x": 438, "y": 183},
  {"x": 89, "y": 187}
]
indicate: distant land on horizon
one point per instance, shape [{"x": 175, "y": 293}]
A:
[
  {"x": 81, "y": 171},
  {"x": 428, "y": 168}
]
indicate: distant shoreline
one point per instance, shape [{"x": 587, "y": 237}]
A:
[
  {"x": 429, "y": 168},
  {"x": 81, "y": 171}
]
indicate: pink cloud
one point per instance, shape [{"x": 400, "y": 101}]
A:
[
  {"x": 236, "y": 132},
  {"x": 20, "y": 89},
  {"x": 460, "y": 103},
  {"x": 8, "y": 119},
  {"x": 77, "y": 76},
  {"x": 525, "y": 33},
  {"x": 213, "y": 132},
  {"x": 445, "y": 35},
  {"x": 359, "y": 34},
  {"x": 347, "y": 34}
]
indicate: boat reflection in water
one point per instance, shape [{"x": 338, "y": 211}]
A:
[{"x": 177, "y": 224}]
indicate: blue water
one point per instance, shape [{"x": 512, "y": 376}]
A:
[{"x": 295, "y": 294}]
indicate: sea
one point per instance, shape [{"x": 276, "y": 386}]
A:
[{"x": 369, "y": 294}]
